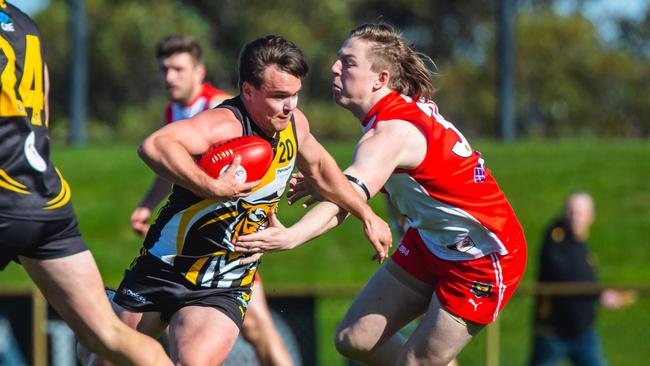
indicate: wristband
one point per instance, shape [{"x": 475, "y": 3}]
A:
[{"x": 360, "y": 184}]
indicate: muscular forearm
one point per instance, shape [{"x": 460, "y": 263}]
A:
[
  {"x": 173, "y": 164},
  {"x": 335, "y": 187}
]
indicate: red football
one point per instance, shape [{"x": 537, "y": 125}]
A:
[{"x": 256, "y": 157}]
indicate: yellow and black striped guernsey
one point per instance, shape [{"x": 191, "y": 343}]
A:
[
  {"x": 195, "y": 235},
  {"x": 30, "y": 186}
]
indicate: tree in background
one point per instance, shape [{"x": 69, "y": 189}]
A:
[
  {"x": 126, "y": 94},
  {"x": 570, "y": 83}
]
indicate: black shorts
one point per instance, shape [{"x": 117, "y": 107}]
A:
[
  {"x": 39, "y": 239},
  {"x": 151, "y": 285}
]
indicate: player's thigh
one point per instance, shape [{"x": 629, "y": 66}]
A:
[
  {"x": 75, "y": 289},
  {"x": 438, "y": 338},
  {"x": 390, "y": 300},
  {"x": 201, "y": 335}
]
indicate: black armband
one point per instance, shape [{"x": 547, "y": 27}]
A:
[{"x": 360, "y": 184}]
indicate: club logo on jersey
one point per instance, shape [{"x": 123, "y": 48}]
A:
[
  {"x": 252, "y": 217},
  {"x": 479, "y": 171},
  {"x": 481, "y": 289},
  {"x": 31, "y": 154},
  {"x": 5, "y": 21}
]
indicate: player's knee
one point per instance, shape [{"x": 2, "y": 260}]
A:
[{"x": 350, "y": 345}]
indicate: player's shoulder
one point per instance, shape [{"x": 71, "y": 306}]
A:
[
  {"x": 214, "y": 95},
  {"x": 301, "y": 123},
  {"x": 12, "y": 19},
  {"x": 299, "y": 116},
  {"x": 11, "y": 15}
]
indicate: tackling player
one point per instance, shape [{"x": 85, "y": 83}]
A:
[{"x": 464, "y": 252}]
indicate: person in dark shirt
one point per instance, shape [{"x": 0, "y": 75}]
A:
[{"x": 564, "y": 324}]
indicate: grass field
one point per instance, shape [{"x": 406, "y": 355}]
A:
[{"x": 108, "y": 182}]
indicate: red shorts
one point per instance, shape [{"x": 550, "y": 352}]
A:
[{"x": 476, "y": 290}]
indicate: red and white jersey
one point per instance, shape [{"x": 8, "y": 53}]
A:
[
  {"x": 450, "y": 198},
  {"x": 208, "y": 98}
]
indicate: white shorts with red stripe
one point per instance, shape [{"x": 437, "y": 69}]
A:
[{"x": 476, "y": 290}]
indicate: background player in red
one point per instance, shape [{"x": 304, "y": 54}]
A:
[
  {"x": 180, "y": 59},
  {"x": 181, "y": 65},
  {"x": 38, "y": 226},
  {"x": 464, "y": 252}
]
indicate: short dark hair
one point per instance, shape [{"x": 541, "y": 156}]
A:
[
  {"x": 178, "y": 43},
  {"x": 266, "y": 51}
]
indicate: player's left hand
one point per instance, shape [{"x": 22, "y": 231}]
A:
[
  {"x": 276, "y": 237},
  {"x": 300, "y": 188}
]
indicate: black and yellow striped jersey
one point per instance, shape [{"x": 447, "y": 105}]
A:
[
  {"x": 195, "y": 235},
  {"x": 30, "y": 185}
]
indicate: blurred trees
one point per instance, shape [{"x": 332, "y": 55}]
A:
[{"x": 569, "y": 82}]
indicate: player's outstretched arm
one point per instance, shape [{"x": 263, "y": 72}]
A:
[
  {"x": 322, "y": 172},
  {"x": 375, "y": 158},
  {"x": 276, "y": 237},
  {"x": 140, "y": 216}
]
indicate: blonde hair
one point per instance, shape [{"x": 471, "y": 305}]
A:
[{"x": 389, "y": 51}]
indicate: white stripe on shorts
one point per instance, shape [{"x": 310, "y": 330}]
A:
[{"x": 498, "y": 274}]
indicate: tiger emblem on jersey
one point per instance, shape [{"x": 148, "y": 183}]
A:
[{"x": 252, "y": 217}]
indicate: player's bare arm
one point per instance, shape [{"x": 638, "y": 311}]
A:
[
  {"x": 159, "y": 189},
  {"x": 378, "y": 154},
  {"x": 171, "y": 152},
  {"x": 388, "y": 146},
  {"x": 375, "y": 158},
  {"x": 320, "y": 168}
]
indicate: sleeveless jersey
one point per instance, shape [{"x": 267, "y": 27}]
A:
[
  {"x": 208, "y": 98},
  {"x": 450, "y": 198},
  {"x": 30, "y": 185},
  {"x": 195, "y": 235}
]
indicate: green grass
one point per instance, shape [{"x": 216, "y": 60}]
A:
[{"x": 108, "y": 182}]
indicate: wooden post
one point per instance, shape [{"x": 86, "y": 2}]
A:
[
  {"x": 492, "y": 344},
  {"x": 39, "y": 328}
]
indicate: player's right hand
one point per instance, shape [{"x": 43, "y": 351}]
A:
[
  {"x": 378, "y": 233},
  {"x": 140, "y": 220},
  {"x": 229, "y": 185}
]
